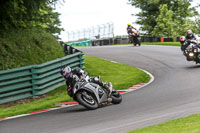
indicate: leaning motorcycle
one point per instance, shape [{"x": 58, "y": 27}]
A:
[
  {"x": 134, "y": 37},
  {"x": 191, "y": 49},
  {"x": 92, "y": 96}
]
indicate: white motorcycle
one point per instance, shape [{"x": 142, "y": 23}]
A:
[{"x": 91, "y": 95}]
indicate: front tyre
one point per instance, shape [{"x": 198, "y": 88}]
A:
[
  {"x": 116, "y": 97},
  {"x": 87, "y": 100}
]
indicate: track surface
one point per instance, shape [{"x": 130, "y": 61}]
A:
[{"x": 174, "y": 93}]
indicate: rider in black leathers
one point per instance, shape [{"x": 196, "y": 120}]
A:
[{"x": 73, "y": 75}]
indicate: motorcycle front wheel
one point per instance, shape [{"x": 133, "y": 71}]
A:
[
  {"x": 87, "y": 100},
  {"x": 116, "y": 97}
]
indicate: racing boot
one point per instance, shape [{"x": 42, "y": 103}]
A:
[{"x": 110, "y": 87}]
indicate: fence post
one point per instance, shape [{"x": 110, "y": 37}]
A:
[
  {"x": 65, "y": 48},
  {"x": 81, "y": 61},
  {"x": 33, "y": 81}
]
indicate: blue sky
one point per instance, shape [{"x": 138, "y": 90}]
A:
[{"x": 80, "y": 14}]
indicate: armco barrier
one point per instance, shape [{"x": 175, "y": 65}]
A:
[
  {"x": 101, "y": 42},
  {"x": 82, "y": 43},
  {"x": 35, "y": 80}
]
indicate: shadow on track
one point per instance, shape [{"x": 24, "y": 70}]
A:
[
  {"x": 192, "y": 67},
  {"x": 79, "y": 108}
]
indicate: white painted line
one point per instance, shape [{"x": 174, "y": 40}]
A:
[
  {"x": 17, "y": 116},
  {"x": 151, "y": 76},
  {"x": 114, "y": 62}
]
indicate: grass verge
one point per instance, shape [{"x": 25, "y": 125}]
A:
[
  {"x": 162, "y": 43},
  {"x": 190, "y": 124},
  {"x": 122, "y": 77}
]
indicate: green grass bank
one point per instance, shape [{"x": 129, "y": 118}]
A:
[
  {"x": 28, "y": 47},
  {"x": 162, "y": 43},
  {"x": 190, "y": 124}
]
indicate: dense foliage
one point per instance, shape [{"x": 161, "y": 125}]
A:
[
  {"x": 166, "y": 17},
  {"x": 28, "y": 31},
  {"x": 18, "y": 14}
]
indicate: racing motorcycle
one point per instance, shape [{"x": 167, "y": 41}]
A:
[
  {"x": 92, "y": 96},
  {"x": 134, "y": 37},
  {"x": 191, "y": 49}
]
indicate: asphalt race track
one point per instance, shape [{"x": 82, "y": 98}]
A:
[{"x": 174, "y": 93}]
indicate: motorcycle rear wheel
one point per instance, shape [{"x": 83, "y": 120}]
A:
[{"x": 87, "y": 100}]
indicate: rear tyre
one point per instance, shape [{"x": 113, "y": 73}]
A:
[
  {"x": 87, "y": 100},
  {"x": 116, "y": 97},
  {"x": 139, "y": 42}
]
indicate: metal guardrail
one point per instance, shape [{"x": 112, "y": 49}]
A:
[
  {"x": 82, "y": 43},
  {"x": 101, "y": 42},
  {"x": 35, "y": 80}
]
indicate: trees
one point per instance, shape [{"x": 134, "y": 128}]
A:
[
  {"x": 26, "y": 33},
  {"x": 164, "y": 22},
  {"x": 26, "y": 14},
  {"x": 164, "y": 16},
  {"x": 171, "y": 27},
  {"x": 197, "y": 24},
  {"x": 47, "y": 19}
]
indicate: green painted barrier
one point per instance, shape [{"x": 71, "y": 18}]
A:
[
  {"x": 83, "y": 43},
  {"x": 35, "y": 80}
]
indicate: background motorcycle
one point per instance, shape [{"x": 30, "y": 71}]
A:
[
  {"x": 191, "y": 49},
  {"x": 134, "y": 37},
  {"x": 91, "y": 95}
]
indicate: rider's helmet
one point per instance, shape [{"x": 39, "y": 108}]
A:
[
  {"x": 65, "y": 71},
  {"x": 182, "y": 39},
  {"x": 189, "y": 33},
  {"x": 129, "y": 25}
]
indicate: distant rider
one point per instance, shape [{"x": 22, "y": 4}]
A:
[
  {"x": 73, "y": 75},
  {"x": 190, "y": 37},
  {"x": 130, "y": 29},
  {"x": 133, "y": 35}
]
